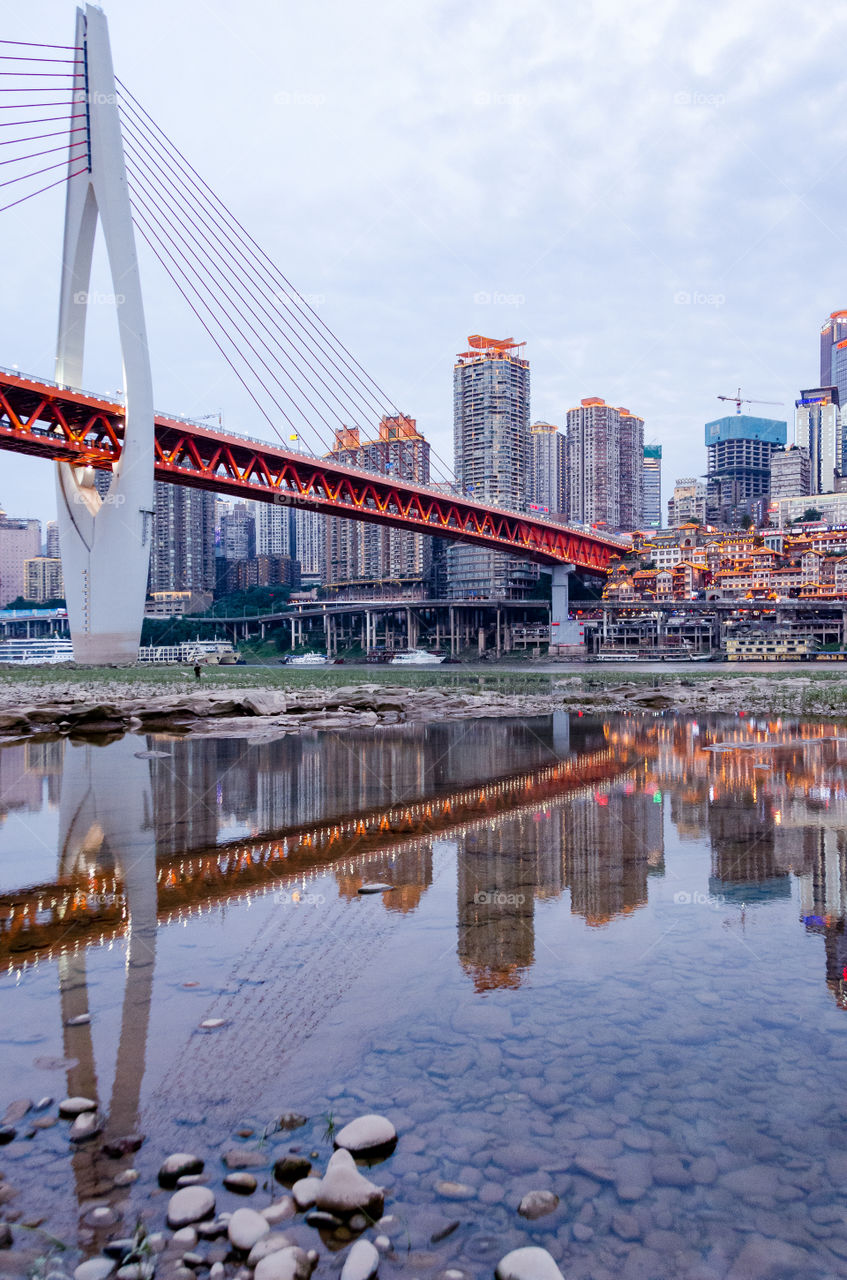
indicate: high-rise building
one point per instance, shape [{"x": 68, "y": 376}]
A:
[
  {"x": 492, "y": 451},
  {"x": 688, "y": 503},
  {"x": 791, "y": 473},
  {"x": 605, "y": 465},
  {"x": 651, "y": 487},
  {"x": 546, "y": 484},
  {"x": 739, "y": 449},
  {"x": 51, "y": 540},
  {"x": 833, "y": 331},
  {"x": 274, "y": 529},
  {"x": 20, "y": 540},
  {"x": 182, "y": 556},
  {"x": 310, "y": 542},
  {"x": 361, "y": 558},
  {"x": 43, "y": 579},
  {"x": 818, "y": 430},
  {"x": 238, "y": 533}
]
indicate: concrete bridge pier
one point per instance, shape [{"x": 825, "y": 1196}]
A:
[{"x": 567, "y": 638}]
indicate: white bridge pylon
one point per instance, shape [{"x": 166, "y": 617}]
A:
[{"x": 105, "y": 544}]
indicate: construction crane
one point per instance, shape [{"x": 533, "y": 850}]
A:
[{"x": 738, "y": 401}]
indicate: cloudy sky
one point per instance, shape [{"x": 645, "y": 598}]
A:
[{"x": 649, "y": 193}]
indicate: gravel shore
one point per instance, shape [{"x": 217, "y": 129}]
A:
[{"x": 264, "y": 703}]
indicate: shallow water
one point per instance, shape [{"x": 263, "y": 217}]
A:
[{"x": 613, "y": 965}]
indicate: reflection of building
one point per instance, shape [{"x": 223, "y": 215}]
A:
[
  {"x": 410, "y": 869},
  {"x": 496, "y": 908},
  {"x": 613, "y": 840}
]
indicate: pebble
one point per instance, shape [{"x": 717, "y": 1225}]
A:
[
  {"x": 211, "y": 1024},
  {"x": 290, "y": 1169},
  {"x": 305, "y": 1192},
  {"x": 279, "y": 1211},
  {"x": 535, "y": 1204},
  {"x": 625, "y": 1226},
  {"x": 383, "y": 1243},
  {"x": 529, "y": 1263},
  {"x": 71, "y": 1107},
  {"x": 362, "y": 1262},
  {"x": 16, "y": 1110},
  {"x": 243, "y": 1158},
  {"x": 179, "y": 1165},
  {"x": 344, "y": 1190},
  {"x": 375, "y": 888},
  {"x": 94, "y": 1269},
  {"x": 455, "y": 1190},
  {"x": 190, "y": 1204},
  {"x": 243, "y": 1184},
  {"x": 291, "y": 1120},
  {"x": 126, "y": 1177},
  {"x": 81, "y": 1020},
  {"x": 84, "y": 1126},
  {"x": 581, "y": 1232},
  {"x": 101, "y": 1215},
  {"x": 271, "y": 1243},
  {"x": 185, "y": 1238},
  {"x": 286, "y": 1264},
  {"x": 246, "y": 1228},
  {"x": 323, "y": 1221},
  {"x": 7, "y": 1135},
  {"x": 366, "y": 1133}
]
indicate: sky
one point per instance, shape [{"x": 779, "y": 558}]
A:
[{"x": 646, "y": 193}]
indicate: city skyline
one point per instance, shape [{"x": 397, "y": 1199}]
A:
[{"x": 406, "y": 266}]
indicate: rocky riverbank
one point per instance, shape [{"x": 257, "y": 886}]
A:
[
  {"x": 301, "y": 1208},
  {"x": 112, "y": 706}
]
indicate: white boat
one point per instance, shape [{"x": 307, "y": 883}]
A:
[
  {"x": 416, "y": 658},
  {"x": 307, "y": 660},
  {"x": 205, "y": 652},
  {"x": 36, "y": 653}
]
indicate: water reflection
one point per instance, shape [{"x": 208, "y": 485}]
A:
[{"x": 541, "y": 817}]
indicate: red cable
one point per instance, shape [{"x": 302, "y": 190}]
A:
[
  {"x": 12, "y": 124},
  {"x": 34, "y": 137},
  {"x": 65, "y": 62},
  {"x": 28, "y": 106},
  {"x": 36, "y": 172},
  {"x": 33, "y": 44},
  {"x": 57, "y": 183},
  {"x": 48, "y": 152}
]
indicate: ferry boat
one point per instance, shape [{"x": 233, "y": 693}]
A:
[
  {"x": 307, "y": 660},
  {"x": 661, "y": 653},
  {"x": 416, "y": 658},
  {"x": 205, "y": 652},
  {"x": 36, "y": 653}
]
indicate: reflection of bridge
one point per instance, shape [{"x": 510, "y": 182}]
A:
[
  {"x": 124, "y": 172},
  {"x": 92, "y": 904}
]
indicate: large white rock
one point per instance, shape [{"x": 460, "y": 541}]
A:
[
  {"x": 530, "y": 1263},
  {"x": 361, "y": 1263},
  {"x": 95, "y": 1269},
  {"x": 286, "y": 1264},
  {"x": 246, "y": 1228},
  {"x": 344, "y": 1190},
  {"x": 72, "y": 1107},
  {"x": 268, "y": 1244},
  {"x": 190, "y": 1204},
  {"x": 365, "y": 1133}
]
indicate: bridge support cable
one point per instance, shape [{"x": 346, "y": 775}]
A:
[
  {"x": 343, "y": 379},
  {"x": 259, "y": 283},
  {"x": 38, "y": 82},
  {"x": 228, "y": 302}
]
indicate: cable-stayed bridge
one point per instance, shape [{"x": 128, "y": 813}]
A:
[{"x": 67, "y": 119}]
